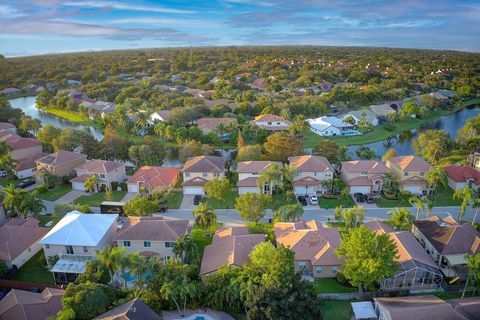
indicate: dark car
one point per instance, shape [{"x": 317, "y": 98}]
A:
[
  {"x": 357, "y": 194},
  {"x": 26, "y": 183},
  {"x": 163, "y": 207},
  {"x": 197, "y": 199},
  {"x": 302, "y": 200},
  {"x": 360, "y": 198},
  {"x": 369, "y": 198}
]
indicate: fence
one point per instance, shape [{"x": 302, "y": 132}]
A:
[{"x": 23, "y": 285}]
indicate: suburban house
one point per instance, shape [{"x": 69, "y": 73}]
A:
[
  {"x": 357, "y": 115},
  {"x": 159, "y": 116},
  {"x": 74, "y": 240},
  {"x": 25, "y": 168},
  {"x": 210, "y": 104},
  {"x": 474, "y": 160},
  {"x": 364, "y": 176},
  {"x": 148, "y": 178},
  {"x": 61, "y": 163},
  {"x": 151, "y": 236},
  {"x": 106, "y": 171},
  {"x": 10, "y": 91},
  {"x": 210, "y": 124},
  {"x": 314, "y": 246},
  {"x": 411, "y": 172},
  {"x": 309, "y": 174},
  {"x": 426, "y": 307},
  {"x": 417, "y": 270},
  {"x": 382, "y": 111},
  {"x": 19, "y": 241},
  {"x": 448, "y": 242},
  {"x": 330, "y": 126},
  {"x": 271, "y": 122},
  {"x": 21, "y": 148},
  {"x": 134, "y": 309},
  {"x": 28, "y": 305},
  {"x": 459, "y": 177},
  {"x": 231, "y": 246},
  {"x": 199, "y": 170},
  {"x": 7, "y": 127},
  {"x": 248, "y": 173},
  {"x": 98, "y": 108}
]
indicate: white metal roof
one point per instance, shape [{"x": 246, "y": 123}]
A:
[
  {"x": 363, "y": 310},
  {"x": 80, "y": 229}
]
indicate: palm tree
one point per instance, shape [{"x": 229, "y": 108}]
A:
[
  {"x": 91, "y": 183},
  {"x": 473, "y": 263},
  {"x": 428, "y": 207},
  {"x": 401, "y": 218},
  {"x": 30, "y": 204},
  {"x": 44, "y": 175},
  {"x": 124, "y": 264},
  {"x": 205, "y": 218},
  {"x": 288, "y": 174},
  {"x": 475, "y": 205},
  {"x": 272, "y": 176},
  {"x": 435, "y": 176},
  {"x": 466, "y": 195},
  {"x": 353, "y": 216},
  {"x": 5, "y": 148},
  {"x": 186, "y": 250},
  {"x": 12, "y": 198},
  {"x": 110, "y": 258},
  {"x": 417, "y": 202}
]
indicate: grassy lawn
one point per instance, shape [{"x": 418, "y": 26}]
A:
[
  {"x": 73, "y": 117},
  {"x": 135, "y": 139},
  {"x": 328, "y": 203},
  {"x": 95, "y": 199},
  {"x": 261, "y": 228},
  {"x": 443, "y": 198},
  {"x": 390, "y": 203},
  {"x": 35, "y": 270},
  {"x": 329, "y": 285},
  {"x": 52, "y": 195},
  {"x": 202, "y": 241},
  {"x": 229, "y": 203},
  {"x": 174, "y": 200},
  {"x": 279, "y": 200},
  {"x": 336, "y": 309}
]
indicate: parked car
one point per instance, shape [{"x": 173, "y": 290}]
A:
[
  {"x": 197, "y": 199},
  {"x": 360, "y": 198},
  {"x": 26, "y": 183},
  {"x": 369, "y": 198},
  {"x": 313, "y": 199},
  {"x": 302, "y": 200},
  {"x": 163, "y": 207},
  {"x": 3, "y": 174}
]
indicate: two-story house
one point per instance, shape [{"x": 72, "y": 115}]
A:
[
  {"x": 151, "y": 236},
  {"x": 459, "y": 177},
  {"x": 448, "y": 242},
  {"x": 248, "y": 173},
  {"x": 74, "y": 240},
  {"x": 197, "y": 171},
  {"x": 61, "y": 163},
  {"x": 271, "y": 122},
  {"x": 411, "y": 172},
  {"x": 208, "y": 125},
  {"x": 309, "y": 174},
  {"x": 149, "y": 178},
  {"x": 106, "y": 172},
  {"x": 314, "y": 247},
  {"x": 364, "y": 176},
  {"x": 20, "y": 147}
]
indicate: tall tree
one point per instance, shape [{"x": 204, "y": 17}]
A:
[
  {"x": 280, "y": 146},
  {"x": 205, "y": 218},
  {"x": 473, "y": 278},
  {"x": 466, "y": 195},
  {"x": 252, "y": 206},
  {"x": 400, "y": 218},
  {"x": 353, "y": 216},
  {"x": 390, "y": 153},
  {"x": 272, "y": 176},
  {"x": 331, "y": 150},
  {"x": 436, "y": 176},
  {"x": 218, "y": 189},
  {"x": 186, "y": 250},
  {"x": 289, "y": 212},
  {"x": 418, "y": 203},
  {"x": 432, "y": 145},
  {"x": 110, "y": 258},
  {"x": 91, "y": 184}
]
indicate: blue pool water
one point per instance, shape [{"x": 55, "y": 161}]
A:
[
  {"x": 132, "y": 277},
  {"x": 350, "y": 133}
]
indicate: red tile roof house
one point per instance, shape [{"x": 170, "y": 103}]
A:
[
  {"x": 25, "y": 168},
  {"x": 411, "y": 172},
  {"x": 61, "y": 163},
  {"x": 19, "y": 241},
  {"x": 26, "y": 305},
  {"x": 448, "y": 243},
  {"x": 5, "y": 126},
  {"x": 22, "y": 148},
  {"x": 271, "y": 122},
  {"x": 106, "y": 171},
  {"x": 310, "y": 172},
  {"x": 462, "y": 176},
  {"x": 417, "y": 270},
  {"x": 314, "y": 247},
  {"x": 231, "y": 246},
  {"x": 364, "y": 176},
  {"x": 134, "y": 309},
  {"x": 210, "y": 124},
  {"x": 148, "y": 178},
  {"x": 197, "y": 171},
  {"x": 248, "y": 173}
]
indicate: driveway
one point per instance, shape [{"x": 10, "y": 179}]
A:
[
  {"x": 69, "y": 197},
  {"x": 129, "y": 196},
  {"x": 187, "y": 202}
]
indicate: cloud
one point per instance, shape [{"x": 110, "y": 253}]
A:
[
  {"x": 166, "y": 21},
  {"x": 10, "y": 12},
  {"x": 124, "y": 6}
]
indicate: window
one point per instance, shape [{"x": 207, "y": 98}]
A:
[
  {"x": 318, "y": 269},
  {"x": 216, "y": 174},
  {"x": 315, "y": 174},
  {"x": 169, "y": 244},
  {"x": 85, "y": 249},
  {"x": 422, "y": 174},
  {"x": 297, "y": 174},
  {"x": 269, "y": 123},
  {"x": 205, "y": 174},
  {"x": 328, "y": 174},
  {"x": 102, "y": 176},
  {"x": 302, "y": 265},
  {"x": 406, "y": 174},
  {"x": 47, "y": 246},
  {"x": 364, "y": 173},
  {"x": 334, "y": 270},
  {"x": 147, "y": 244},
  {"x": 126, "y": 243},
  {"x": 187, "y": 174},
  {"x": 69, "y": 249}
]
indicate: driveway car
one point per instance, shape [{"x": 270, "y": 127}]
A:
[
  {"x": 26, "y": 183},
  {"x": 197, "y": 199},
  {"x": 302, "y": 200},
  {"x": 313, "y": 199}
]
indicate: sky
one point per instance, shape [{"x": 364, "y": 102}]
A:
[{"x": 30, "y": 27}]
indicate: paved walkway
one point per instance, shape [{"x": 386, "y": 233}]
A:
[
  {"x": 129, "y": 196},
  {"x": 187, "y": 202},
  {"x": 69, "y": 197}
]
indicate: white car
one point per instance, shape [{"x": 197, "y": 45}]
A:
[{"x": 312, "y": 199}]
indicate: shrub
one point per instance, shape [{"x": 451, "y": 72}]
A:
[
  {"x": 123, "y": 185},
  {"x": 43, "y": 188},
  {"x": 66, "y": 179},
  {"x": 114, "y": 185},
  {"x": 341, "y": 279}
]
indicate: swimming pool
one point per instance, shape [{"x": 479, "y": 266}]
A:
[
  {"x": 350, "y": 133},
  {"x": 131, "y": 276}
]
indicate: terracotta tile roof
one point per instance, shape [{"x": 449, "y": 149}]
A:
[
  {"x": 248, "y": 182},
  {"x": 152, "y": 229},
  {"x": 29, "y": 162},
  {"x": 306, "y": 181},
  {"x": 134, "y": 309},
  {"x": 418, "y": 308},
  {"x": 205, "y": 164},
  {"x": 100, "y": 166},
  {"x": 369, "y": 166},
  {"x": 463, "y": 173},
  {"x": 155, "y": 177},
  {"x": 271, "y": 118},
  {"x": 213, "y": 103},
  {"x": 410, "y": 163},
  {"x": 6, "y": 126},
  {"x": 414, "y": 181},
  {"x": 410, "y": 249},
  {"x": 26, "y": 305},
  {"x": 81, "y": 178},
  {"x": 378, "y": 226},
  {"x": 467, "y": 307},
  {"x": 17, "y": 235},
  {"x": 310, "y": 241},
  {"x": 61, "y": 157},
  {"x": 16, "y": 142},
  {"x": 309, "y": 163},
  {"x": 255, "y": 166},
  {"x": 360, "y": 181},
  {"x": 222, "y": 232},
  {"x": 211, "y": 124},
  {"x": 448, "y": 237},
  {"x": 195, "y": 182}
]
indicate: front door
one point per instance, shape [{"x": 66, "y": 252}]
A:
[{"x": 69, "y": 249}]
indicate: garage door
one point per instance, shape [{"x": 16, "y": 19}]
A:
[
  {"x": 78, "y": 186},
  {"x": 360, "y": 189},
  {"x": 413, "y": 189},
  {"x": 300, "y": 190},
  {"x": 132, "y": 187},
  {"x": 193, "y": 190}
]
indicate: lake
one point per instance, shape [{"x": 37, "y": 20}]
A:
[{"x": 28, "y": 106}]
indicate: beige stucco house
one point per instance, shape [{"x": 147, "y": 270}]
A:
[
  {"x": 411, "y": 172},
  {"x": 309, "y": 174},
  {"x": 248, "y": 173},
  {"x": 364, "y": 176},
  {"x": 197, "y": 171},
  {"x": 106, "y": 171},
  {"x": 61, "y": 163},
  {"x": 21, "y": 148},
  {"x": 271, "y": 122}
]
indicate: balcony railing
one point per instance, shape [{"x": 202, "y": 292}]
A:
[{"x": 75, "y": 257}]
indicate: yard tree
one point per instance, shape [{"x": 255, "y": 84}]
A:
[
  {"x": 91, "y": 183},
  {"x": 331, "y": 150},
  {"x": 222, "y": 290},
  {"x": 27, "y": 124},
  {"x": 5, "y": 148},
  {"x": 218, "y": 189},
  {"x": 30, "y": 205},
  {"x": 95, "y": 271},
  {"x": 115, "y": 146},
  {"x": 272, "y": 175},
  {"x": 280, "y": 146},
  {"x": 466, "y": 195},
  {"x": 428, "y": 207},
  {"x": 338, "y": 213},
  {"x": 141, "y": 205},
  {"x": 390, "y": 153},
  {"x": 250, "y": 153},
  {"x": 366, "y": 153},
  {"x": 289, "y": 212},
  {"x": 473, "y": 278},
  {"x": 353, "y": 216},
  {"x": 7, "y": 164},
  {"x": 400, "y": 218},
  {"x": 205, "y": 218},
  {"x": 436, "y": 176},
  {"x": 110, "y": 258},
  {"x": 418, "y": 203},
  {"x": 432, "y": 145},
  {"x": 369, "y": 258},
  {"x": 475, "y": 204},
  {"x": 252, "y": 206},
  {"x": 240, "y": 140},
  {"x": 186, "y": 250},
  {"x": 364, "y": 125},
  {"x": 300, "y": 125}
]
